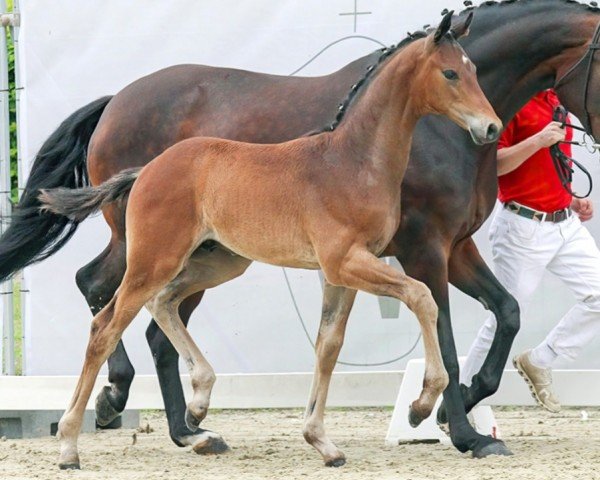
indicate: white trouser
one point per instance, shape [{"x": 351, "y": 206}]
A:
[{"x": 523, "y": 249}]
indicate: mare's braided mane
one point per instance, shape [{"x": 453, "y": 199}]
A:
[
  {"x": 388, "y": 51},
  {"x": 593, "y": 6}
]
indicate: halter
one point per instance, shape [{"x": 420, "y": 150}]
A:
[
  {"x": 562, "y": 162},
  {"x": 588, "y": 60}
]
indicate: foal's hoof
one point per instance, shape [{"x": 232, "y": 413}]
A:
[
  {"x": 210, "y": 446},
  {"x": 497, "y": 447},
  {"x": 105, "y": 412},
  {"x": 193, "y": 421},
  {"x": 69, "y": 465},
  {"x": 414, "y": 419},
  {"x": 336, "y": 462}
]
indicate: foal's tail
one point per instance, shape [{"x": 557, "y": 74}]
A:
[
  {"x": 60, "y": 162},
  {"x": 79, "y": 204}
]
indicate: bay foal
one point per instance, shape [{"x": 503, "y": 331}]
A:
[{"x": 329, "y": 201}]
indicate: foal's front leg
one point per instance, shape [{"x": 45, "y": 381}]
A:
[
  {"x": 361, "y": 270},
  {"x": 337, "y": 303}
]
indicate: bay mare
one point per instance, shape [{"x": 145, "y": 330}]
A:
[
  {"x": 520, "y": 48},
  {"x": 328, "y": 201}
]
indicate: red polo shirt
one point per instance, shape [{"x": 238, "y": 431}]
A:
[{"x": 535, "y": 182}]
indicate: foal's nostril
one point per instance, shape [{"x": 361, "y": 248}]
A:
[{"x": 492, "y": 132}]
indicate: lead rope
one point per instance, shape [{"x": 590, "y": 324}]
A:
[{"x": 563, "y": 163}]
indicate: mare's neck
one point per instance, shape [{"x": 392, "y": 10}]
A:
[{"x": 377, "y": 130}]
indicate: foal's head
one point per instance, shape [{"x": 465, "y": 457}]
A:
[{"x": 447, "y": 83}]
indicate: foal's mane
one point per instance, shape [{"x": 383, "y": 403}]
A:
[{"x": 386, "y": 52}]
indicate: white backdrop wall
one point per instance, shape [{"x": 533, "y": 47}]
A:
[{"x": 75, "y": 51}]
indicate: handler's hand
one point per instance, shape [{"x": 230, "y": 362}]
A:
[
  {"x": 584, "y": 208},
  {"x": 551, "y": 134}
]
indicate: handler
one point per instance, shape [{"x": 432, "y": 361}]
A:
[{"x": 539, "y": 228}]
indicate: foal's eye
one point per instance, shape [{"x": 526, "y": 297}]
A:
[{"x": 450, "y": 74}]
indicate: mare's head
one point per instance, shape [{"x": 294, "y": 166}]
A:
[
  {"x": 578, "y": 79},
  {"x": 446, "y": 83}
]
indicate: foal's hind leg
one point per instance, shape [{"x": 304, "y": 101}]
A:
[
  {"x": 107, "y": 328},
  {"x": 166, "y": 361},
  {"x": 210, "y": 267},
  {"x": 165, "y": 313},
  {"x": 337, "y": 303},
  {"x": 361, "y": 270},
  {"x": 147, "y": 273},
  {"x": 199, "y": 274},
  {"x": 159, "y": 244}
]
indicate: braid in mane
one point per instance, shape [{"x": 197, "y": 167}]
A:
[
  {"x": 592, "y": 6},
  {"x": 371, "y": 70}
]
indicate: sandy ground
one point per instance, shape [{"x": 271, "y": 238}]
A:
[{"x": 267, "y": 444}]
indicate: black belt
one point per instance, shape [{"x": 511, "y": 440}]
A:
[{"x": 556, "y": 217}]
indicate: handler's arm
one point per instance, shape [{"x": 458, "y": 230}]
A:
[{"x": 510, "y": 158}]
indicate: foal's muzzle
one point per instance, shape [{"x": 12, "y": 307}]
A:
[{"x": 483, "y": 132}]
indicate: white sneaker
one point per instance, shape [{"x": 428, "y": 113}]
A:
[{"x": 539, "y": 381}]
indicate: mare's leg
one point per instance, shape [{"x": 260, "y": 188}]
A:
[
  {"x": 469, "y": 273},
  {"x": 428, "y": 263},
  {"x": 361, "y": 270},
  {"x": 337, "y": 303},
  {"x": 166, "y": 360},
  {"x": 98, "y": 281}
]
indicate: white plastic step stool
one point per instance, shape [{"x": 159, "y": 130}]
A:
[{"x": 400, "y": 431}]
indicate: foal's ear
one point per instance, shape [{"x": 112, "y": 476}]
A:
[
  {"x": 444, "y": 27},
  {"x": 461, "y": 29}
]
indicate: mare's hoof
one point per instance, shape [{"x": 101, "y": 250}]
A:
[
  {"x": 336, "y": 462},
  {"x": 495, "y": 448},
  {"x": 441, "y": 419},
  {"x": 105, "y": 412},
  {"x": 413, "y": 418},
  {"x": 444, "y": 427},
  {"x": 211, "y": 446},
  {"x": 69, "y": 466}
]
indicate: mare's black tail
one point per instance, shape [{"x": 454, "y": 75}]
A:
[{"x": 34, "y": 235}]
